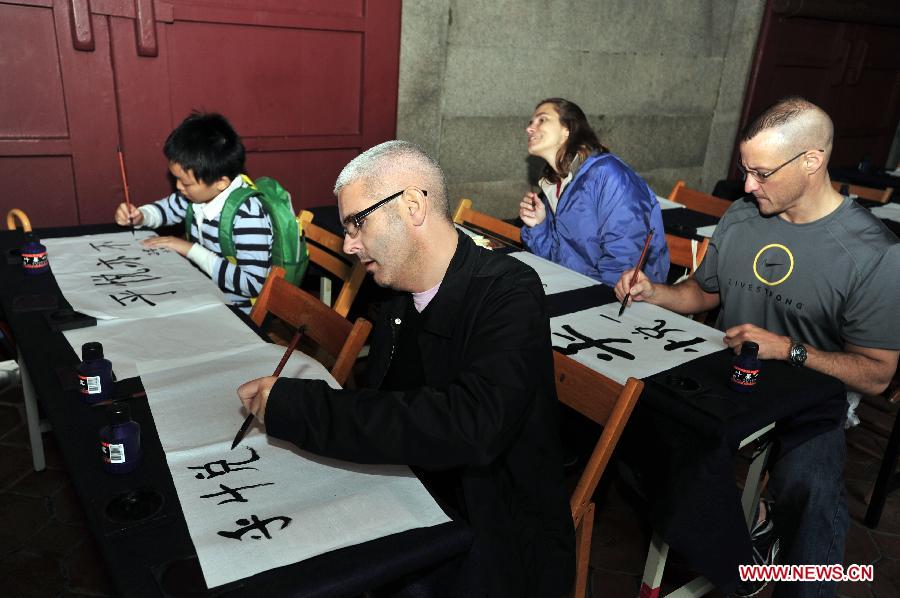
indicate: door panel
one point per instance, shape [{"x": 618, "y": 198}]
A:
[
  {"x": 308, "y": 84},
  {"x": 31, "y": 95},
  {"x": 288, "y": 76},
  {"x": 269, "y": 81},
  {"x": 56, "y": 109},
  {"x": 48, "y": 177},
  {"x": 303, "y": 166},
  {"x": 849, "y": 64}
]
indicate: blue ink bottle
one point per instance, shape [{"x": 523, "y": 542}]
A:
[
  {"x": 34, "y": 256},
  {"x": 745, "y": 368},
  {"x": 120, "y": 441},
  {"x": 95, "y": 378}
]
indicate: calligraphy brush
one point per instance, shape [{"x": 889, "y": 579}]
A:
[
  {"x": 125, "y": 185},
  {"x": 284, "y": 360},
  {"x": 640, "y": 265}
]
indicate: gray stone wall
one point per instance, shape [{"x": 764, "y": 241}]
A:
[{"x": 662, "y": 82}]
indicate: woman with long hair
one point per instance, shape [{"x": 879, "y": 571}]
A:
[{"x": 593, "y": 212}]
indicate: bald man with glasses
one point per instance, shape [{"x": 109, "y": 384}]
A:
[
  {"x": 459, "y": 385},
  {"x": 812, "y": 278}
]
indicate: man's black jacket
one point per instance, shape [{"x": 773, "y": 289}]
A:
[{"x": 487, "y": 414}]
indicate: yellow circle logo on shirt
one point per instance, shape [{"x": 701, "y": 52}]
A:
[{"x": 773, "y": 259}]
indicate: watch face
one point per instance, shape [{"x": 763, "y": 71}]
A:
[{"x": 798, "y": 354}]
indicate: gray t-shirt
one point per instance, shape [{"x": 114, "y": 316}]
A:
[{"x": 825, "y": 282}]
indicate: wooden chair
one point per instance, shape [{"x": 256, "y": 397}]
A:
[
  {"x": 326, "y": 251},
  {"x": 870, "y": 193},
  {"x": 505, "y": 231},
  {"x": 875, "y": 415},
  {"x": 699, "y": 201},
  {"x": 331, "y": 332},
  {"x": 681, "y": 252},
  {"x": 17, "y": 214},
  {"x": 609, "y": 404}
]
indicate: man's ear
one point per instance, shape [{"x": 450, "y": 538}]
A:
[
  {"x": 417, "y": 203},
  {"x": 813, "y": 161}
]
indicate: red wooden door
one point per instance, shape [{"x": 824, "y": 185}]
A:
[
  {"x": 57, "y": 110},
  {"x": 307, "y": 84},
  {"x": 842, "y": 56}
]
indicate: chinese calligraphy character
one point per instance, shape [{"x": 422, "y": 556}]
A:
[
  {"x": 258, "y": 524},
  {"x": 124, "y": 279},
  {"x": 128, "y": 262},
  {"x": 221, "y": 467},
  {"x": 132, "y": 297},
  {"x": 109, "y": 245},
  {"x": 672, "y": 344},
  {"x": 655, "y": 331},
  {"x": 588, "y": 342},
  {"x": 154, "y": 250},
  {"x": 236, "y": 496}
]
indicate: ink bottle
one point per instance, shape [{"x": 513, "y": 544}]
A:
[
  {"x": 745, "y": 368},
  {"x": 95, "y": 379},
  {"x": 120, "y": 441},
  {"x": 34, "y": 256}
]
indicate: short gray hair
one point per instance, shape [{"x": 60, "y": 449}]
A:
[{"x": 401, "y": 160}]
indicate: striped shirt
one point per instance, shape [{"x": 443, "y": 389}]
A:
[{"x": 252, "y": 234}]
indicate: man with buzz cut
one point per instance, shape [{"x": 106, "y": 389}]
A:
[
  {"x": 812, "y": 278},
  {"x": 459, "y": 384}
]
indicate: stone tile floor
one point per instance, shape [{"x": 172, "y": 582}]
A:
[{"x": 46, "y": 549}]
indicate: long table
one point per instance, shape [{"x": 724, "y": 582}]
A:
[{"x": 137, "y": 518}]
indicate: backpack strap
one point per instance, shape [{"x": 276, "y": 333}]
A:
[
  {"x": 226, "y": 219},
  {"x": 188, "y": 219}
]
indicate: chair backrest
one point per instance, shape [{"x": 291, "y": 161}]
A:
[
  {"x": 17, "y": 214},
  {"x": 326, "y": 251},
  {"x": 332, "y": 332},
  {"x": 504, "y": 231},
  {"x": 681, "y": 252},
  {"x": 699, "y": 201},
  {"x": 601, "y": 400},
  {"x": 870, "y": 193},
  {"x": 609, "y": 404}
]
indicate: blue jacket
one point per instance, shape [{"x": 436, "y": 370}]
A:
[{"x": 601, "y": 222}]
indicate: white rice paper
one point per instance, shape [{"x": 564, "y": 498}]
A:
[
  {"x": 556, "y": 278},
  {"x": 330, "y": 504},
  {"x": 643, "y": 341},
  {"x": 111, "y": 276}
]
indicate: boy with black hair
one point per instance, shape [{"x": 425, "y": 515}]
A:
[{"x": 206, "y": 159}]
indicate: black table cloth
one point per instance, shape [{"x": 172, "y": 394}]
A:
[{"x": 136, "y": 518}]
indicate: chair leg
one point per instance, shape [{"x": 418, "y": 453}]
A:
[
  {"x": 32, "y": 418},
  {"x": 654, "y": 567},
  {"x": 754, "y": 484},
  {"x": 583, "y": 551},
  {"x": 885, "y": 475}
]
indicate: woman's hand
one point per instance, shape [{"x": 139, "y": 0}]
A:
[{"x": 532, "y": 210}]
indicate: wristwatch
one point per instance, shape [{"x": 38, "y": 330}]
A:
[{"x": 797, "y": 354}]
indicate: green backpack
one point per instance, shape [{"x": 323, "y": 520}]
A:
[{"x": 288, "y": 246}]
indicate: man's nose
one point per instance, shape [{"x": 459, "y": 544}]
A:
[
  {"x": 351, "y": 245},
  {"x": 750, "y": 184}
]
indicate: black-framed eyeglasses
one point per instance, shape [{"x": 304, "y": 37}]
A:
[
  {"x": 761, "y": 177},
  {"x": 354, "y": 222}
]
